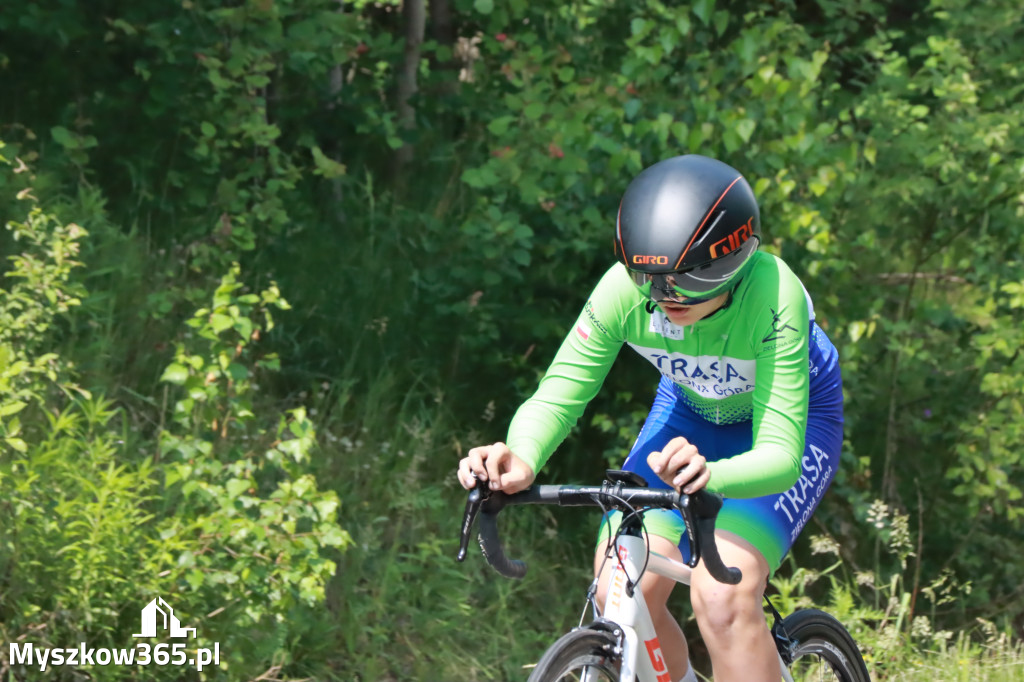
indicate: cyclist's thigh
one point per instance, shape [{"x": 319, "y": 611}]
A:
[{"x": 735, "y": 551}]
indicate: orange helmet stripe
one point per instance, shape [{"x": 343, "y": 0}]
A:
[{"x": 701, "y": 227}]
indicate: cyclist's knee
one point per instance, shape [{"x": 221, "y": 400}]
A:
[{"x": 719, "y": 606}]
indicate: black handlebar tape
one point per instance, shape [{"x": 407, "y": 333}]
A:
[
  {"x": 712, "y": 559},
  {"x": 702, "y": 505},
  {"x": 490, "y": 545},
  {"x": 705, "y": 506}
]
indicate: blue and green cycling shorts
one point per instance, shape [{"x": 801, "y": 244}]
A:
[{"x": 770, "y": 523}]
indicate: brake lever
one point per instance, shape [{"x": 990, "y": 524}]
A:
[
  {"x": 477, "y": 496},
  {"x": 699, "y": 512},
  {"x": 685, "y": 507}
]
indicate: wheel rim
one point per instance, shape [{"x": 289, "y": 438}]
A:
[
  {"x": 819, "y": 661},
  {"x": 588, "y": 668}
]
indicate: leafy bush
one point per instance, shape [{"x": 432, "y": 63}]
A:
[{"x": 220, "y": 516}]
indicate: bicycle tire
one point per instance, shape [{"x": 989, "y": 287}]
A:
[
  {"x": 822, "y": 649},
  {"x": 579, "y": 652}
]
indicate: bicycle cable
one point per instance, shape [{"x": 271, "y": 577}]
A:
[
  {"x": 639, "y": 514},
  {"x": 613, "y": 542}
]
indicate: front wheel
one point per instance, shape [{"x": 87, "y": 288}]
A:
[
  {"x": 822, "y": 649},
  {"x": 584, "y": 655}
]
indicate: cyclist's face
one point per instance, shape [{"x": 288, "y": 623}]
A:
[{"x": 688, "y": 314}]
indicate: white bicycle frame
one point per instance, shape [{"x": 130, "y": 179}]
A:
[{"x": 641, "y": 652}]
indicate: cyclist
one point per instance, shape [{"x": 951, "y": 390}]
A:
[{"x": 749, "y": 405}]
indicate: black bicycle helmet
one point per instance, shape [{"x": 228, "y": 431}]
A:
[{"x": 686, "y": 227}]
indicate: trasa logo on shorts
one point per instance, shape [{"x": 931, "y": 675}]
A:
[{"x": 650, "y": 260}]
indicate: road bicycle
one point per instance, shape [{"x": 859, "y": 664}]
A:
[{"x": 620, "y": 644}]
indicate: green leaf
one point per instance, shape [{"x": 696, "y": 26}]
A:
[
  {"x": 238, "y": 371},
  {"x": 479, "y": 177},
  {"x": 175, "y": 374},
  {"x": 326, "y": 167},
  {"x": 236, "y": 486},
  {"x": 680, "y": 131},
  {"x": 335, "y": 537},
  {"x": 483, "y": 6},
  {"x": 499, "y": 126},
  {"x": 870, "y": 153},
  {"x": 721, "y": 22},
  {"x": 326, "y": 509},
  {"x": 704, "y": 9},
  {"x": 12, "y": 408},
  {"x": 194, "y": 579},
  {"x": 745, "y": 128},
  {"x": 534, "y": 110},
  {"x": 220, "y": 322},
  {"x": 207, "y": 129},
  {"x": 244, "y": 327},
  {"x": 64, "y": 137},
  {"x": 731, "y": 140}
]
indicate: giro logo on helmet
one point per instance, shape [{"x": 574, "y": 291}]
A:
[
  {"x": 734, "y": 240},
  {"x": 650, "y": 260}
]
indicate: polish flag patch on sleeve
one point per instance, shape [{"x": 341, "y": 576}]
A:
[{"x": 583, "y": 330}]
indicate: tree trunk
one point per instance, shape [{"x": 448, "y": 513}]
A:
[
  {"x": 335, "y": 85},
  {"x": 442, "y": 31},
  {"x": 414, "y": 17},
  {"x": 441, "y": 27}
]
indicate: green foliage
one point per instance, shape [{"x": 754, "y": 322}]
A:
[
  {"x": 257, "y": 526},
  {"x": 216, "y": 151},
  {"x": 40, "y": 292},
  {"x": 877, "y": 606},
  {"x": 987, "y": 473},
  {"x": 221, "y": 516},
  {"x": 928, "y": 221}
]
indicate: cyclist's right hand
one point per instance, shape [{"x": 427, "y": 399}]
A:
[{"x": 498, "y": 466}]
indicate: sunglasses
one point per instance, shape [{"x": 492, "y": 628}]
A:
[{"x": 662, "y": 287}]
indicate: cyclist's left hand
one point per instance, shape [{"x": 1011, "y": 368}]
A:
[{"x": 680, "y": 465}]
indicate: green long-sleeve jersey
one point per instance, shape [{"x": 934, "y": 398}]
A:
[{"x": 747, "y": 362}]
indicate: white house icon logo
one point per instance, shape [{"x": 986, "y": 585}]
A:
[{"x": 160, "y": 612}]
